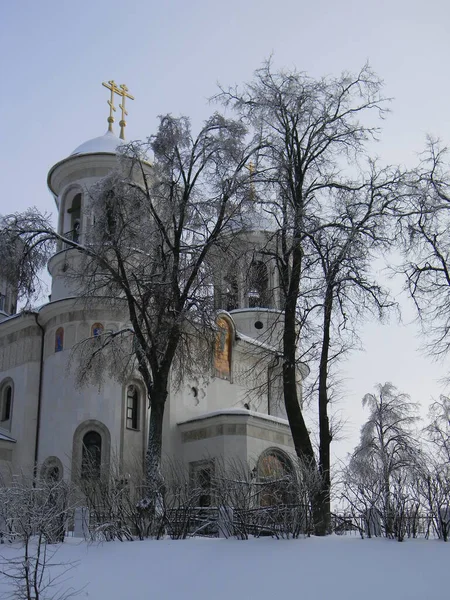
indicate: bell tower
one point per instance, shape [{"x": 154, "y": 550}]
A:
[
  {"x": 70, "y": 181},
  {"x": 248, "y": 287}
]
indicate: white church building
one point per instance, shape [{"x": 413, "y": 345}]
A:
[{"x": 48, "y": 424}]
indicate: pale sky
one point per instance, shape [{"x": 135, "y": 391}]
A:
[{"x": 54, "y": 56}]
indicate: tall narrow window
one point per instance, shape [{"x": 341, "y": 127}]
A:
[
  {"x": 231, "y": 291},
  {"x": 132, "y": 407},
  {"x": 91, "y": 460},
  {"x": 6, "y": 402},
  {"x": 258, "y": 285},
  {"x": 59, "y": 339},
  {"x": 75, "y": 217}
]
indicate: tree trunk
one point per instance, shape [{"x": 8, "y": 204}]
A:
[
  {"x": 299, "y": 431},
  {"x": 323, "y": 523},
  {"x": 153, "y": 455}
]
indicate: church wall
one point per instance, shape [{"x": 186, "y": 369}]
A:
[
  {"x": 25, "y": 382},
  {"x": 20, "y": 350},
  {"x": 236, "y": 436},
  {"x": 65, "y": 406}
]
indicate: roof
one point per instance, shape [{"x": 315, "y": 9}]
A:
[{"x": 104, "y": 143}]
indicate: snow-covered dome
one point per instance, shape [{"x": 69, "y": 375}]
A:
[{"x": 104, "y": 143}]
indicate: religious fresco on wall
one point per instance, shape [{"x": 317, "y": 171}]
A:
[
  {"x": 59, "y": 339},
  {"x": 274, "y": 472},
  {"x": 222, "y": 349},
  {"x": 97, "y": 329}
]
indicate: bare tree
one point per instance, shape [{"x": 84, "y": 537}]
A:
[
  {"x": 146, "y": 253},
  {"x": 312, "y": 130},
  {"x": 424, "y": 223},
  {"x": 34, "y": 515},
  {"x": 434, "y": 480},
  {"x": 388, "y": 451}
]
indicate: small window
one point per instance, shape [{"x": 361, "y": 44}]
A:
[
  {"x": 52, "y": 470},
  {"x": 6, "y": 401},
  {"x": 132, "y": 407},
  {"x": 97, "y": 329},
  {"x": 91, "y": 460},
  {"x": 59, "y": 339}
]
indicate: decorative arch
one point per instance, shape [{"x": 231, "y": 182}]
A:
[
  {"x": 275, "y": 469},
  {"x": 223, "y": 347},
  {"x": 6, "y": 403},
  {"x": 59, "y": 339},
  {"x": 52, "y": 469},
  {"x": 71, "y": 211},
  {"x": 96, "y": 448}
]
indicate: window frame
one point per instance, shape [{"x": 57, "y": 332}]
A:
[
  {"x": 6, "y": 403},
  {"x": 57, "y": 349},
  {"x": 95, "y": 471},
  {"x": 196, "y": 468},
  {"x": 132, "y": 418}
]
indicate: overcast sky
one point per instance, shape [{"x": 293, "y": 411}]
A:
[{"x": 54, "y": 56}]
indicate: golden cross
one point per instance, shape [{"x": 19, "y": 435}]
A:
[
  {"x": 121, "y": 91},
  {"x": 124, "y": 93},
  {"x": 111, "y": 85}
]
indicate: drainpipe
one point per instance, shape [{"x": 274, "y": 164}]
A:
[{"x": 38, "y": 416}]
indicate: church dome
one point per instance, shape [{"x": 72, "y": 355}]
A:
[{"x": 104, "y": 143}]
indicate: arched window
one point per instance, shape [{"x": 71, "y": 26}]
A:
[
  {"x": 91, "y": 459},
  {"x": 75, "y": 217},
  {"x": 132, "y": 407},
  {"x": 231, "y": 291},
  {"x": 258, "y": 285},
  {"x": 91, "y": 450},
  {"x": 6, "y": 402},
  {"x": 97, "y": 329},
  {"x": 59, "y": 339},
  {"x": 275, "y": 471}
]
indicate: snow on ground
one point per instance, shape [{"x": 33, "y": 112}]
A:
[{"x": 332, "y": 568}]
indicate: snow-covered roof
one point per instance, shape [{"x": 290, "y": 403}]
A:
[
  {"x": 104, "y": 143},
  {"x": 234, "y": 412}
]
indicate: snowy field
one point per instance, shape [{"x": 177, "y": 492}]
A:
[{"x": 333, "y": 568}]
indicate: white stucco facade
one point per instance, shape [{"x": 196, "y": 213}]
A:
[{"x": 45, "y": 416}]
